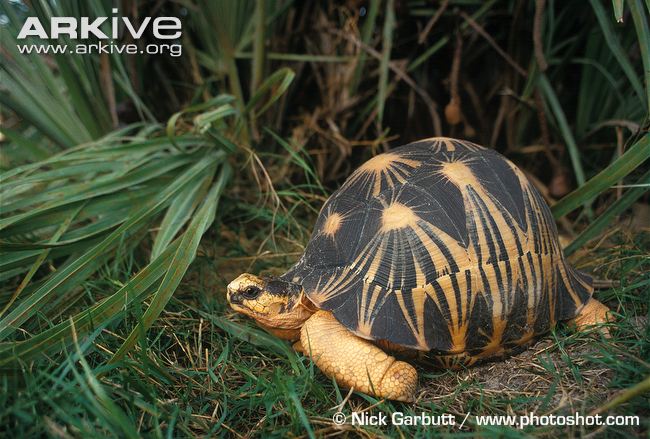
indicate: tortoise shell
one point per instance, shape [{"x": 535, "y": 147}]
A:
[{"x": 440, "y": 245}]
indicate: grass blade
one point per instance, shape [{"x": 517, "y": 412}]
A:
[
  {"x": 615, "y": 47},
  {"x": 606, "y": 218},
  {"x": 65, "y": 276},
  {"x": 277, "y": 83},
  {"x": 366, "y": 35},
  {"x": 39, "y": 260},
  {"x": 179, "y": 212},
  {"x": 561, "y": 119},
  {"x": 293, "y": 396},
  {"x": 387, "y": 45},
  {"x": 80, "y": 192},
  {"x": 102, "y": 401},
  {"x": 99, "y": 314},
  {"x": 179, "y": 264},
  {"x": 625, "y": 164},
  {"x": 618, "y": 6},
  {"x": 259, "y": 49},
  {"x": 641, "y": 25}
]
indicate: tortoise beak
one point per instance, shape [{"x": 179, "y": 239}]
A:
[{"x": 231, "y": 293}]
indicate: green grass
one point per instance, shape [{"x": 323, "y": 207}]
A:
[
  {"x": 129, "y": 203},
  {"x": 201, "y": 370}
]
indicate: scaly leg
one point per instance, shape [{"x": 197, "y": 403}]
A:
[
  {"x": 593, "y": 313},
  {"x": 354, "y": 362}
]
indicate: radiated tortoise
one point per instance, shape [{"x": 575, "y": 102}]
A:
[{"x": 440, "y": 246}]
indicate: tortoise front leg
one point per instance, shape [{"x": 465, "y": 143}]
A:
[{"x": 354, "y": 362}]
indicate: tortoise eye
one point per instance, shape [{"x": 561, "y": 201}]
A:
[{"x": 251, "y": 292}]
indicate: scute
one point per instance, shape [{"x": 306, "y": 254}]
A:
[
  {"x": 440, "y": 245},
  {"x": 498, "y": 176},
  {"x": 334, "y": 243}
]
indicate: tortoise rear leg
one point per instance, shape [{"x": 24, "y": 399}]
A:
[
  {"x": 593, "y": 313},
  {"x": 354, "y": 362}
]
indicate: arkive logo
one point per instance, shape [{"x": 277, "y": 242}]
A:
[
  {"x": 105, "y": 32},
  {"x": 164, "y": 28}
]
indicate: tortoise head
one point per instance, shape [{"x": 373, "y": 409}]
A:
[{"x": 271, "y": 301}]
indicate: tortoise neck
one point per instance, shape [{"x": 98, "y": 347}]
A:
[
  {"x": 300, "y": 310},
  {"x": 290, "y": 316},
  {"x": 287, "y": 324}
]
